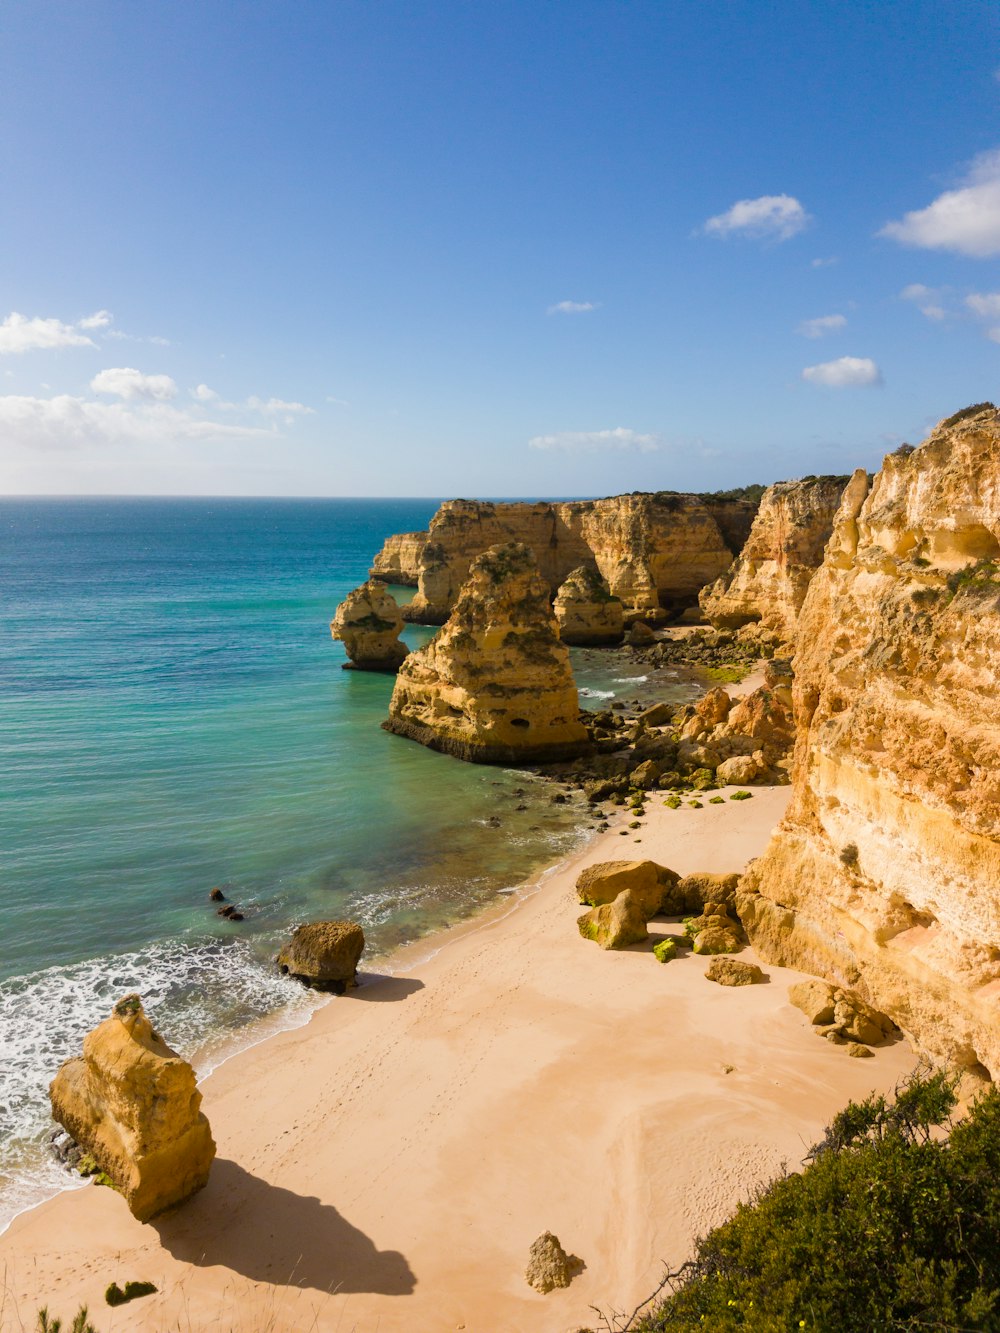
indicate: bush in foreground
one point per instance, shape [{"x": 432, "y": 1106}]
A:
[{"x": 888, "y": 1228}]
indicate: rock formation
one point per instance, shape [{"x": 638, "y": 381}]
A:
[
  {"x": 655, "y": 552},
  {"x": 399, "y": 559},
  {"x": 324, "y": 954},
  {"x": 884, "y": 876},
  {"x": 368, "y": 624},
  {"x": 495, "y": 685},
  {"x": 731, "y": 972},
  {"x": 133, "y": 1105},
  {"x": 586, "y": 611},
  {"x": 840, "y": 1015},
  {"x": 619, "y": 923},
  {"x": 649, "y": 882},
  {"x": 768, "y": 580},
  {"x": 549, "y": 1266}
]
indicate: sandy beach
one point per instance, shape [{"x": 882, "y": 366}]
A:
[{"x": 387, "y": 1166}]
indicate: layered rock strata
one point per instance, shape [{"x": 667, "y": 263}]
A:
[
  {"x": 368, "y": 624},
  {"x": 587, "y": 611},
  {"x": 494, "y": 686},
  {"x": 884, "y": 876},
  {"x": 132, "y": 1103},
  {"x": 655, "y": 552},
  {"x": 399, "y": 559},
  {"x": 767, "y": 582}
]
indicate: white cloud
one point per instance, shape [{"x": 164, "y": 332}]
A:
[
  {"x": 816, "y": 328},
  {"x": 928, "y": 300},
  {"x": 965, "y": 220},
  {"x": 778, "y": 216},
  {"x": 204, "y": 394},
  {"x": 594, "y": 441},
  {"x": 274, "y": 407},
  {"x": 101, "y": 319},
  {"x": 339, "y": 402},
  {"x": 844, "y": 373},
  {"x": 20, "y": 334},
  {"x": 572, "y": 307},
  {"x": 824, "y": 263},
  {"x": 993, "y": 335},
  {"x": 984, "y": 304},
  {"x": 68, "y": 422},
  {"x": 127, "y": 383}
]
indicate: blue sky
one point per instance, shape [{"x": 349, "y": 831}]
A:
[{"x": 507, "y": 249}]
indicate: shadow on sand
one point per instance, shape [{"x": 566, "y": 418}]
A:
[
  {"x": 383, "y": 988},
  {"x": 269, "y": 1234}
]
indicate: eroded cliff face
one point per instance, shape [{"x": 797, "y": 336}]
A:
[
  {"x": 767, "y": 582},
  {"x": 654, "y": 551},
  {"x": 369, "y": 624},
  {"x": 885, "y": 874},
  {"x": 586, "y": 611},
  {"x": 494, "y": 685},
  {"x": 399, "y": 559}
]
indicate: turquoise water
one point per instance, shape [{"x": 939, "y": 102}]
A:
[{"x": 173, "y": 717}]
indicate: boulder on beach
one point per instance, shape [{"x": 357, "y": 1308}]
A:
[
  {"x": 133, "y": 1104},
  {"x": 617, "y": 924},
  {"x": 691, "y": 893},
  {"x": 549, "y": 1266},
  {"x": 324, "y": 954},
  {"x": 649, "y": 882},
  {"x": 731, "y": 972},
  {"x": 840, "y": 1013}
]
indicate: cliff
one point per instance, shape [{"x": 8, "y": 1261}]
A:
[
  {"x": 885, "y": 874},
  {"x": 494, "y": 685},
  {"x": 586, "y": 611},
  {"x": 655, "y": 552},
  {"x": 133, "y": 1104},
  {"x": 767, "y": 582},
  {"x": 399, "y": 559},
  {"x": 368, "y": 624}
]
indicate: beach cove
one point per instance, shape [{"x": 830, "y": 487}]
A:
[{"x": 388, "y": 1165}]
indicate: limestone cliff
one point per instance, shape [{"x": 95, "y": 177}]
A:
[
  {"x": 494, "y": 685},
  {"x": 655, "y": 552},
  {"x": 586, "y": 611},
  {"x": 368, "y": 624},
  {"x": 767, "y": 582},
  {"x": 885, "y": 874},
  {"x": 133, "y": 1104},
  {"x": 399, "y": 559}
]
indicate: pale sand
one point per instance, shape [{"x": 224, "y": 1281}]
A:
[{"x": 405, "y": 1148}]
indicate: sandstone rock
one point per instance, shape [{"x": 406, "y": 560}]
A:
[
  {"x": 859, "y": 1052},
  {"x": 691, "y": 893},
  {"x": 646, "y": 776},
  {"x": 369, "y": 624},
  {"x": 768, "y": 580},
  {"x": 324, "y": 954},
  {"x": 648, "y": 882},
  {"x": 617, "y": 924},
  {"x": 740, "y": 769},
  {"x": 840, "y": 1011},
  {"x": 495, "y": 685},
  {"x": 731, "y": 972},
  {"x": 885, "y": 869},
  {"x": 586, "y": 610},
  {"x": 717, "y": 939},
  {"x": 659, "y": 715},
  {"x": 133, "y": 1104},
  {"x": 654, "y": 551},
  {"x": 640, "y": 635},
  {"x": 664, "y": 950},
  {"x": 549, "y": 1266},
  {"x": 399, "y": 559},
  {"x": 713, "y": 707}
]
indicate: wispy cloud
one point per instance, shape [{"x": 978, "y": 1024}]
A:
[
  {"x": 824, "y": 263},
  {"x": 69, "y": 422},
  {"x": 844, "y": 373},
  {"x": 101, "y": 319},
  {"x": 277, "y": 407},
  {"x": 984, "y": 304},
  {"x": 596, "y": 441},
  {"x": 965, "y": 220},
  {"x": 928, "y": 300},
  {"x": 125, "y": 382},
  {"x": 771, "y": 217},
  {"x": 821, "y": 325},
  {"x": 572, "y": 307},
  {"x": 20, "y": 334}
]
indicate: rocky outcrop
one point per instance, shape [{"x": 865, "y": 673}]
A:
[
  {"x": 495, "y": 685},
  {"x": 767, "y": 582},
  {"x": 731, "y": 972},
  {"x": 324, "y": 954},
  {"x": 399, "y": 559},
  {"x": 745, "y": 740},
  {"x": 840, "y": 1015},
  {"x": 368, "y": 624},
  {"x": 655, "y": 552},
  {"x": 650, "y": 883},
  {"x": 549, "y": 1266},
  {"x": 133, "y": 1105},
  {"x": 884, "y": 875},
  {"x": 619, "y": 923},
  {"x": 586, "y": 611}
]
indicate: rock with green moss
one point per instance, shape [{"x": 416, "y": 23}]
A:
[
  {"x": 664, "y": 950},
  {"x": 616, "y": 925}
]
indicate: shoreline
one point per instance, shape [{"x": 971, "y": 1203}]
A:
[{"x": 433, "y": 1142}]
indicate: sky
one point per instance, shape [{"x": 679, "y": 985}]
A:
[{"x": 529, "y": 247}]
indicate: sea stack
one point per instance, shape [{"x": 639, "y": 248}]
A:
[
  {"x": 132, "y": 1103},
  {"x": 768, "y": 580},
  {"x": 368, "y": 624},
  {"x": 883, "y": 877},
  {"x": 494, "y": 686},
  {"x": 587, "y": 611}
]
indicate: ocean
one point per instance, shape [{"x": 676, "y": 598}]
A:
[{"x": 174, "y": 717}]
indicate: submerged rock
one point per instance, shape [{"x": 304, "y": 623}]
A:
[
  {"x": 133, "y": 1104},
  {"x": 368, "y": 623},
  {"x": 587, "y": 611},
  {"x": 324, "y": 954},
  {"x": 494, "y": 686},
  {"x": 549, "y": 1266}
]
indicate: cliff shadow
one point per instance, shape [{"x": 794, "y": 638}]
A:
[
  {"x": 383, "y": 988},
  {"x": 270, "y": 1234}
]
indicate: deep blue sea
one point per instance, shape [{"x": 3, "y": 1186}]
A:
[{"x": 174, "y": 717}]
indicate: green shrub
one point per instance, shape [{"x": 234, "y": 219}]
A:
[
  {"x": 80, "y": 1323},
  {"x": 887, "y": 1229},
  {"x": 115, "y": 1296}
]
